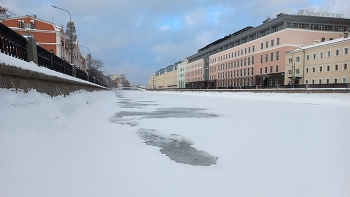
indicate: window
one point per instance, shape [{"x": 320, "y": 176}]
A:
[
  {"x": 262, "y": 46},
  {"x": 266, "y": 57},
  {"x": 271, "y": 59},
  {"x": 260, "y": 70},
  {"x": 290, "y": 72},
  {"x": 321, "y": 55},
  {"x": 306, "y": 81},
  {"x": 271, "y": 69},
  {"x": 344, "y": 80},
  {"x": 346, "y": 51},
  {"x": 245, "y": 51},
  {"x": 314, "y": 56},
  {"x": 248, "y": 61},
  {"x": 261, "y": 58},
  {"x": 253, "y": 71},
  {"x": 28, "y": 35},
  {"x": 328, "y": 68},
  {"x": 245, "y": 61},
  {"x": 336, "y": 67},
  {"x": 265, "y": 69},
  {"x": 253, "y": 48},
  {"x": 313, "y": 69},
  {"x": 277, "y": 55},
  {"x": 345, "y": 66},
  {"x": 20, "y": 24},
  {"x": 297, "y": 59},
  {"x": 267, "y": 44},
  {"x": 328, "y": 54},
  {"x": 319, "y": 81},
  {"x": 313, "y": 81},
  {"x": 307, "y": 57},
  {"x": 307, "y": 70},
  {"x": 271, "y": 43},
  {"x": 297, "y": 71},
  {"x": 336, "y": 52},
  {"x": 249, "y": 50},
  {"x": 253, "y": 60},
  {"x": 320, "y": 69},
  {"x": 327, "y": 81},
  {"x": 278, "y": 41},
  {"x": 276, "y": 68},
  {"x": 335, "y": 80},
  {"x": 290, "y": 60}
]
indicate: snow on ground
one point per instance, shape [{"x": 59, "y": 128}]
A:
[
  {"x": 89, "y": 144},
  {"x": 11, "y": 61}
]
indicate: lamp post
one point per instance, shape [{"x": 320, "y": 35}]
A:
[
  {"x": 89, "y": 62},
  {"x": 70, "y": 33}
]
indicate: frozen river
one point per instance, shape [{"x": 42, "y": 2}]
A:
[{"x": 133, "y": 143}]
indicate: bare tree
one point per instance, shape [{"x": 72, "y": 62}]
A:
[
  {"x": 5, "y": 13},
  {"x": 95, "y": 69},
  {"x": 96, "y": 64}
]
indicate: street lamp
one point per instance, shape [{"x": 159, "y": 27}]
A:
[
  {"x": 89, "y": 63},
  {"x": 70, "y": 33}
]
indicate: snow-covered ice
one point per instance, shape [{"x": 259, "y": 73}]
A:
[{"x": 95, "y": 144}]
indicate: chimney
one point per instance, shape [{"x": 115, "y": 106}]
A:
[{"x": 346, "y": 34}]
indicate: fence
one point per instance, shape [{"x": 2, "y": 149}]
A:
[
  {"x": 12, "y": 43},
  {"x": 15, "y": 45}
]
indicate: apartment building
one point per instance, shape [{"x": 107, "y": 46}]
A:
[
  {"x": 256, "y": 56},
  {"x": 166, "y": 78},
  {"x": 322, "y": 62},
  {"x": 181, "y": 72},
  {"x": 48, "y": 36},
  {"x": 195, "y": 74},
  {"x": 151, "y": 84}
]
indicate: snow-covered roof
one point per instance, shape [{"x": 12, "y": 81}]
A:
[{"x": 319, "y": 44}]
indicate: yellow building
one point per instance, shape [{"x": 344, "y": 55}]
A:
[
  {"x": 323, "y": 62},
  {"x": 165, "y": 78}
]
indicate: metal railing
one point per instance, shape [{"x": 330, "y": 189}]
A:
[
  {"x": 12, "y": 43},
  {"x": 15, "y": 45}
]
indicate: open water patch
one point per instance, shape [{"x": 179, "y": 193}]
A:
[
  {"x": 131, "y": 117},
  {"x": 128, "y": 103},
  {"x": 177, "y": 148},
  {"x": 168, "y": 113}
]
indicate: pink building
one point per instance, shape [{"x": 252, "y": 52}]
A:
[{"x": 256, "y": 56}]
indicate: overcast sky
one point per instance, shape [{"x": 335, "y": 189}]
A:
[{"x": 138, "y": 38}]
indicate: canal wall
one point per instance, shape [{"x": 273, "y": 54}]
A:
[
  {"x": 265, "y": 90},
  {"x": 19, "y": 79}
]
